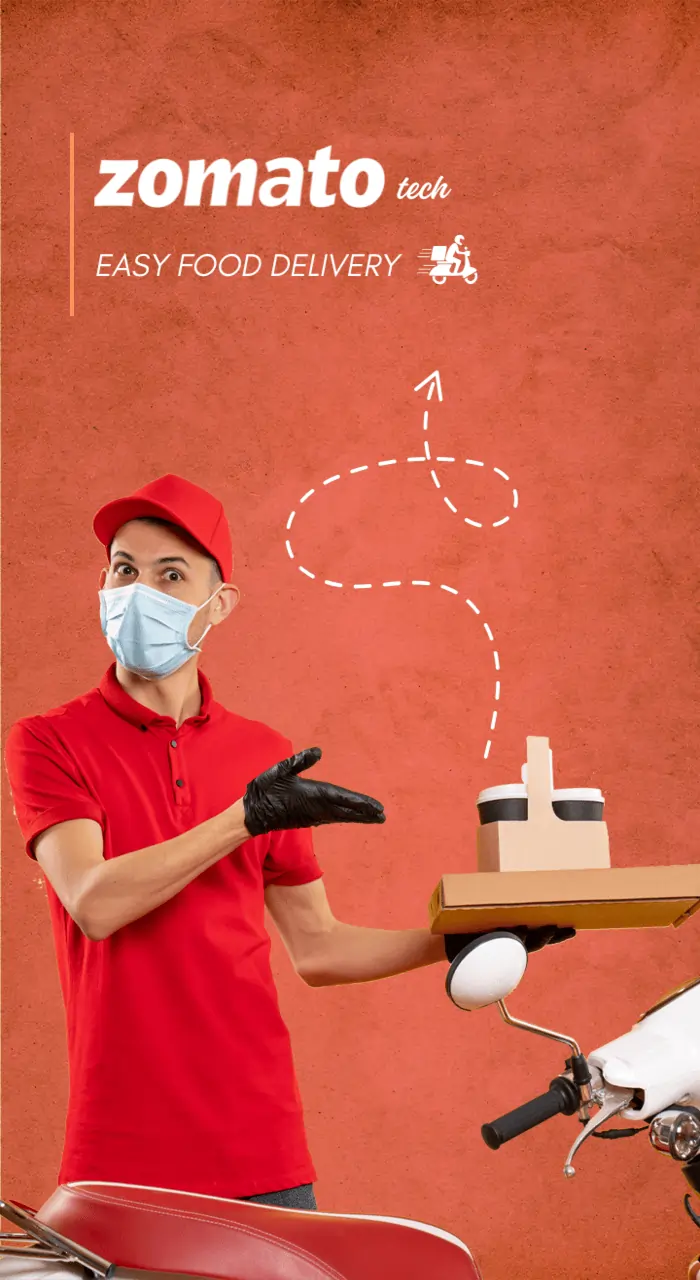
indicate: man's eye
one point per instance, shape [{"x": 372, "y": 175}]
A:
[
  {"x": 173, "y": 576},
  {"x": 120, "y": 567}
]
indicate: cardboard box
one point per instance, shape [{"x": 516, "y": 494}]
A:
[{"x": 612, "y": 898}]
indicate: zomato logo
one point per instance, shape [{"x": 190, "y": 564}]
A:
[{"x": 162, "y": 182}]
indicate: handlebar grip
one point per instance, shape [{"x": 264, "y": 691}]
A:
[{"x": 560, "y": 1099}]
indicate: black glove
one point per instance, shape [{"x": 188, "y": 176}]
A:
[
  {"x": 278, "y": 800},
  {"x": 534, "y": 939}
]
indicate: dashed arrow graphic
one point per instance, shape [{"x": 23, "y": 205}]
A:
[{"x": 433, "y": 383}]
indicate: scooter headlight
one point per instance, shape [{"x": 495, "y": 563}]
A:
[{"x": 677, "y": 1133}]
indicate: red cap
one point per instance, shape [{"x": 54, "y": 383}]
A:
[{"x": 182, "y": 503}]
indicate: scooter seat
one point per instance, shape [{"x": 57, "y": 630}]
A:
[{"x": 149, "y": 1228}]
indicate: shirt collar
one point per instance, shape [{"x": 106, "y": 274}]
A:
[{"x": 120, "y": 701}]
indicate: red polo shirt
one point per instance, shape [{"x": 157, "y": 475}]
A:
[{"x": 181, "y": 1071}]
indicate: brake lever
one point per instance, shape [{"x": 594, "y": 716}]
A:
[{"x": 614, "y": 1101}]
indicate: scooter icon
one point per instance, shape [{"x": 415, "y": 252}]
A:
[{"x": 452, "y": 261}]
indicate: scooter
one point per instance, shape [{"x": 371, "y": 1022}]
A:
[
  {"x": 109, "y": 1231},
  {"x": 650, "y": 1074}
]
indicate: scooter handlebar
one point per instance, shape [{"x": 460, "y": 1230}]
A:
[{"x": 562, "y": 1098}]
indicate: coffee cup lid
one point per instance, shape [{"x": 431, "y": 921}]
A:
[
  {"x": 591, "y": 794},
  {"x": 518, "y": 791},
  {"x": 510, "y": 791}
]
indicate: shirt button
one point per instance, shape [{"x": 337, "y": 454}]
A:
[
  {"x": 173, "y": 743},
  {"x": 179, "y": 782}
]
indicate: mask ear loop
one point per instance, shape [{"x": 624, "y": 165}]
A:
[{"x": 195, "y": 647}]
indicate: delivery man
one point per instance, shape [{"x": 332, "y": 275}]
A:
[{"x": 164, "y": 824}]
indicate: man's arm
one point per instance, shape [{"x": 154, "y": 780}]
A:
[
  {"x": 327, "y": 952},
  {"x": 102, "y": 895}
]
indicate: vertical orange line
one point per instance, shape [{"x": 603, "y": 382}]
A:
[{"x": 71, "y": 227}]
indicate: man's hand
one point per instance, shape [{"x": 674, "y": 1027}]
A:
[
  {"x": 279, "y": 799},
  {"x": 533, "y": 939}
]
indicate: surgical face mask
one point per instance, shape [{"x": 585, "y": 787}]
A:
[{"x": 147, "y": 629}]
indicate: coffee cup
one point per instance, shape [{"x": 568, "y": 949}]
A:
[
  {"x": 578, "y": 804},
  {"x": 503, "y": 804}
]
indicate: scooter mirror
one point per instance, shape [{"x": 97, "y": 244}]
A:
[{"x": 486, "y": 970}]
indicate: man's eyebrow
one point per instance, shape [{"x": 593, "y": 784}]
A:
[{"x": 163, "y": 559}]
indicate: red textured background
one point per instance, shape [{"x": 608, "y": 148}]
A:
[{"x": 568, "y": 134}]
